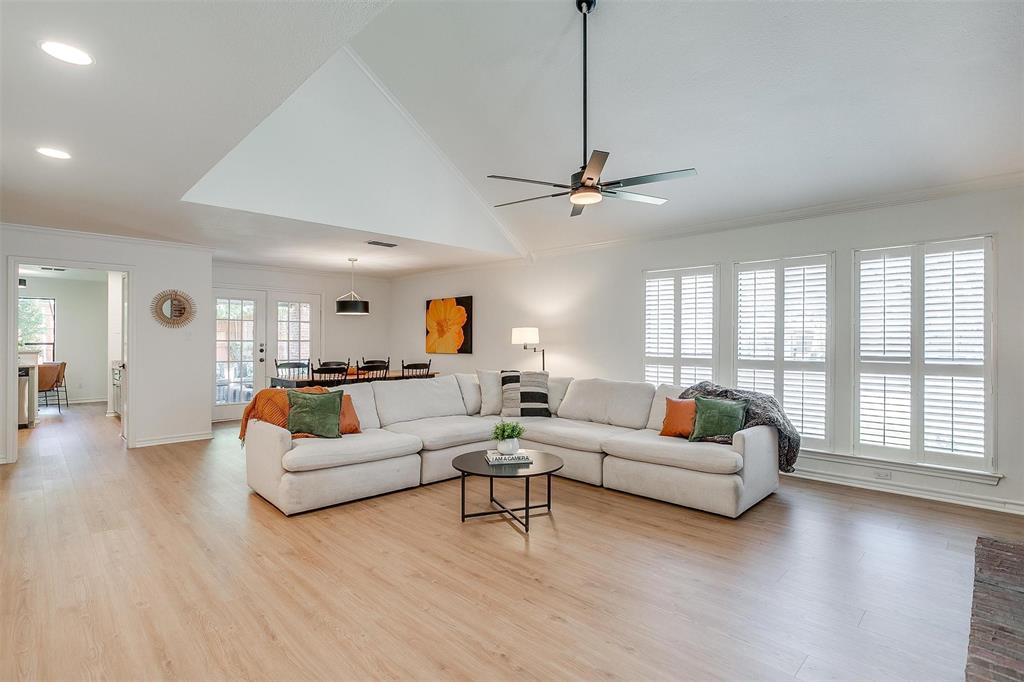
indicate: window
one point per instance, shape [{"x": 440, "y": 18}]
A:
[
  {"x": 293, "y": 331},
  {"x": 922, "y": 369},
  {"x": 782, "y": 338},
  {"x": 679, "y": 326},
  {"x": 37, "y": 324}
]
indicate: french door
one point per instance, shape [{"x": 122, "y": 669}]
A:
[
  {"x": 240, "y": 367},
  {"x": 255, "y": 330},
  {"x": 293, "y": 330}
]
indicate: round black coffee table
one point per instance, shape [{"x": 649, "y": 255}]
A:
[{"x": 474, "y": 464}]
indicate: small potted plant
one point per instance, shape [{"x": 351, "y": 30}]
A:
[{"x": 507, "y": 434}]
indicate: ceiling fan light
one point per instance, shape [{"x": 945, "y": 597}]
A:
[{"x": 585, "y": 196}]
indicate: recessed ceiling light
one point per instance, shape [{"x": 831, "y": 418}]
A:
[
  {"x": 53, "y": 153},
  {"x": 66, "y": 53}
]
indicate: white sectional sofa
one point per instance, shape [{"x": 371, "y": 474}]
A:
[{"x": 607, "y": 432}]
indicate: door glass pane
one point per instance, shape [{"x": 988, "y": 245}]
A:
[
  {"x": 293, "y": 331},
  {"x": 235, "y": 346}
]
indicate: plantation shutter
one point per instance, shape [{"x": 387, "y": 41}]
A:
[
  {"x": 679, "y": 326},
  {"x": 782, "y": 338},
  {"x": 921, "y": 363}
]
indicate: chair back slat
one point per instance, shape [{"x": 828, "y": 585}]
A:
[{"x": 293, "y": 369}]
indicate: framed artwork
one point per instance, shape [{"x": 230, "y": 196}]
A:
[{"x": 450, "y": 325}]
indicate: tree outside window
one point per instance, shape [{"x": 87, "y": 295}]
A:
[{"x": 37, "y": 325}]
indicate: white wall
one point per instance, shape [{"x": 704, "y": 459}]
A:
[
  {"x": 81, "y": 332},
  {"x": 344, "y": 336},
  {"x": 588, "y": 306},
  {"x": 170, "y": 369},
  {"x": 115, "y": 336}
]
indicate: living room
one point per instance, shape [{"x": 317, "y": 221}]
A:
[{"x": 829, "y": 229}]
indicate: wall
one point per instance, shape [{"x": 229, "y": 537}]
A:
[
  {"x": 170, "y": 369},
  {"x": 81, "y": 326},
  {"x": 115, "y": 337},
  {"x": 343, "y": 336},
  {"x": 587, "y": 305}
]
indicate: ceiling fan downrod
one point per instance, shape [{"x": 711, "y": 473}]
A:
[{"x": 585, "y": 7}]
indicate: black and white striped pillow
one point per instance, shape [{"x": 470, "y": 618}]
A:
[{"x": 524, "y": 394}]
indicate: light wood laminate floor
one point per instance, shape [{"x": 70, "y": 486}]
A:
[{"x": 160, "y": 563}]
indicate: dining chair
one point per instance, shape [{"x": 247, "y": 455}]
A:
[
  {"x": 48, "y": 376},
  {"x": 372, "y": 371},
  {"x": 378, "y": 362},
  {"x": 416, "y": 369},
  {"x": 332, "y": 363},
  {"x": 292, "y": 369},
  {"x": 332, "y": 371}
]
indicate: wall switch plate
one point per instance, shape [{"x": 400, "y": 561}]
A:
[{"x": 883, "y": 475}]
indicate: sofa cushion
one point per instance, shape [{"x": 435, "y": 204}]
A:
[
  {"x": 557, "y": 386},
  {"x": 569, "y": 433},
  {"x": 408, "y": 399},
  {"x": 362, "y": 400},
  {"x": 490, "y": 391},
  {"x": 308, "y": 454},
  {"x": 649, "y": 446},
  {"x": 621, "y": 403},
  {"x": 524, "y": 394},
  {"x": 445, "y": 432},
  {"x": 657, "y": 417},
  {"x": 469, "y": 384}
]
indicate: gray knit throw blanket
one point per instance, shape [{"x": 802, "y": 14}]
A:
[{"x": 761, "y": 410}]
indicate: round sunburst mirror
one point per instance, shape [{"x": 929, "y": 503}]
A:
[{"x": 173, "y": 308}]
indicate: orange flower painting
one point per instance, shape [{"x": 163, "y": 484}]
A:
[{"x": 450, "y": 325}]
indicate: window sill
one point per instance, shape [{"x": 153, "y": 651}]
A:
[{"x": 970, "y": 475}]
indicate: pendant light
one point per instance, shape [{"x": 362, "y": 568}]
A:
[{"x": 350, "y": 303}]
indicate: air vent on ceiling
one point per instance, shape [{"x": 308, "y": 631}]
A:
[
  {"x": 386, "y": 245},
  {"x": 47, "y": 267}
]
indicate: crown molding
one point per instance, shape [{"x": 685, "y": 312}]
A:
[
  {"x": 990, "y": 183},
  {"x": 414, "y": 124},
  {"x": 59, "y": 231}
]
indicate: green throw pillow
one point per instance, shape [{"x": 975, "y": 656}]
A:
[
  {"x": 718, "y": 417},
  {"x": 315, "y": 413}
]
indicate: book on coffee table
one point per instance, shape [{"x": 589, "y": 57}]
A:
[{"x": 495, "y": 457}]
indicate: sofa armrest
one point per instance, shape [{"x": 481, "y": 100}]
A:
[
  {"x": 265, "y": 445},
  {"x": 759, "y": 446}
]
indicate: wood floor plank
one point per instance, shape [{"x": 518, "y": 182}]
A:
[{"x": 159, "y": 563}]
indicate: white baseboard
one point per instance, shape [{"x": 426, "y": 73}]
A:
[
  {"x": 168, "y": 440},
  {"x": 83, "y": 401},
  {"x": 965, "y": 499}
]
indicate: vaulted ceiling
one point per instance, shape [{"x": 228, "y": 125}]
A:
[{"x": 292, "y": 133}]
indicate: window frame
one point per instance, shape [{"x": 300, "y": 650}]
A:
[
  {"x": 677, "y": 360},
  {"x": 778, "y": 364},
  {"x": 51, "y": 344},
  {"x": 916, "y": 367}
]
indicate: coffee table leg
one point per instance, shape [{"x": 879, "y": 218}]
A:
[
  {"x": 527, "y": 505},
  {"x": 490, "y": 480},
  {"x": 549, "y": 492},
  {"x": 463, "y": 497}
]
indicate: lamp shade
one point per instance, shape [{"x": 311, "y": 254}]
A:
[
  {"x": 351, "y": 306},
  {"x": 525, "y": 335}
]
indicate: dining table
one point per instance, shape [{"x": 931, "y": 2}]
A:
[{"x": 306, "y": 380}]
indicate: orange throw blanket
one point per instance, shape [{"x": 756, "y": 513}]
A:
[{"x": 271, "y": 405}]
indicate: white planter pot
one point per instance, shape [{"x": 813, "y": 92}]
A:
[{"x": 509, "y": 446}]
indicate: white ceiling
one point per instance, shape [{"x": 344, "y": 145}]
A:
[
  {"x": 81, "y": 275},
  {"x": 778, "y": 105}
]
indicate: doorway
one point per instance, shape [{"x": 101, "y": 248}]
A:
[
  {"x": 69, "y": 323},
  {"x": 255, "y": 330}
]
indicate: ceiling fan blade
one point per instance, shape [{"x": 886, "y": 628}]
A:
[
  {"x": 592, "y": 173},
  {"x": 546, "y": 196},
  {"x": 645, "y": 179},
  {"x": 532, "y": 182},
  {"x": 576, "y": 210},
  {"x": 632, "y": 196}
]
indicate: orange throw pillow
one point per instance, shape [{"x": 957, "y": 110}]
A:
[
  {"x": 349, "y": 418},
  {"x": 679, "y": 417}
]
